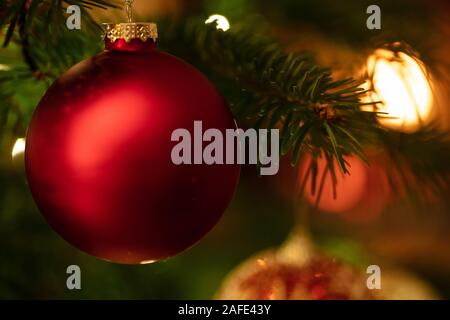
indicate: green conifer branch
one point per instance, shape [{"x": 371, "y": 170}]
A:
[{"x": 265, "y": 85}]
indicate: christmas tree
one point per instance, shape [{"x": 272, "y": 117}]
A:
[{"x": 358, "y": 94}]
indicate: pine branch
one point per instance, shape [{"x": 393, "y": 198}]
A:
[
  {"x": 316, "y": 114},
  {"x": 280, "y": 89},
  {"x": 266, "y": 86},
  {"x": 39, "y": 27}
]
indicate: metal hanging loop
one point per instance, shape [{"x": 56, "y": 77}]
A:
[{"x": 129, "y": 8}]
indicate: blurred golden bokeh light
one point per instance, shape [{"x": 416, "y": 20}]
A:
[
  {"x": 402, "y": 85},
  {"x": 19, "y": 147}
]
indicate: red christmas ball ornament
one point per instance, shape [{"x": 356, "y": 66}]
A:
[{"x": 98, "y": 153}]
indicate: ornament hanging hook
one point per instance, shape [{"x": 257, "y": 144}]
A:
[{"x": 129, "y": 8}]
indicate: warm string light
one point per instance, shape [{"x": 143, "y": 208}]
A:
[
  {"x": 19, "y": 148},
  {"x": 403, "y": 86},
  {"x": 221, "y": 21}
]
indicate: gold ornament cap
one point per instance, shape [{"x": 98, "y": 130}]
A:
[{"x": 131, "y": 30}]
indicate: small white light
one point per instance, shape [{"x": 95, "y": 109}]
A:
[
  {"x": 4, "y": 67},
  {"x": 221, "y": 21},
  {"x": 19, "y": 147}
]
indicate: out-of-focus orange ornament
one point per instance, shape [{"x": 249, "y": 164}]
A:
[
  {"x": 263, "y": 278},
  {"x": 359, "y": 196},
  {"x": 377, "y": 192},
  {"x": 298, "y": 271},
  {"x": 347, "y": 193},
  {"x": 294, "y": 275}
]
